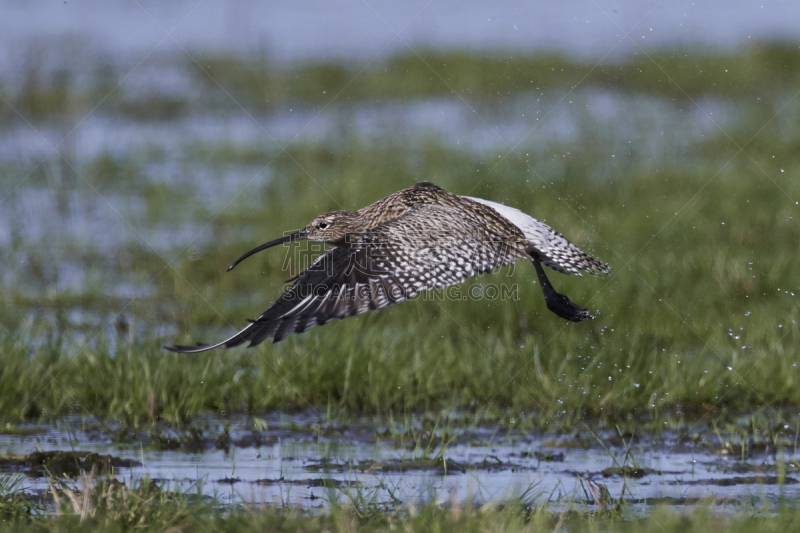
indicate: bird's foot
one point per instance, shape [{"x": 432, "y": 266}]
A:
[{"x": 566, "y": 308}]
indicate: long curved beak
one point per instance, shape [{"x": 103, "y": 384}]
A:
[{"x": 297, "y": 236}]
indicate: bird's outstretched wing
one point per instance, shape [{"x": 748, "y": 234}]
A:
[{"x": 426, "y": 248}]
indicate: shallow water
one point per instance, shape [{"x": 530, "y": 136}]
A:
[
  {"x": 287, "y": 463},
  {"x": 72, "y": 229},
  {"x": 80, "y": 232},
  {"x": 306, "y": 29},
  {"x": 118, "y": 217},
  {"x": 90, "y": 226}
]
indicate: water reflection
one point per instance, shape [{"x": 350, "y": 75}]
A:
[{"x": 291, "y": 463}]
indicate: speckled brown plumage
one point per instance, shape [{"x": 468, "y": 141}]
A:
[{"x": 416, "y": 239}]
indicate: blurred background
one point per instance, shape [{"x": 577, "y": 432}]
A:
[{"x": 145, "y": 145}]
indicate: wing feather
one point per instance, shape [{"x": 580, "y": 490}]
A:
[
  {"x": 551, "y": 247},
  {"x": 426, "y": 248}
]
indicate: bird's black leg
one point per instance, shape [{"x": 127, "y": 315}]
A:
[{"x": 558, "y": 303}]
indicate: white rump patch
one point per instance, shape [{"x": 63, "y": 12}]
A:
[{"x": 532, "y": 228}]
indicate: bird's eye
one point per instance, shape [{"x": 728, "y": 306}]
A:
[{"x": 323, "y": 225}]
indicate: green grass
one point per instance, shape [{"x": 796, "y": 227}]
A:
[
  {"x": 696, "y": 330},
  {"x": 429, "y": 519},
  {"x": 757, "y": 71},
  {"x": 698, "y": 319},
  {"x": 682, "y": 287}
]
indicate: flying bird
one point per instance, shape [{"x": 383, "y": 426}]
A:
[{"x": 416, "y": 239}]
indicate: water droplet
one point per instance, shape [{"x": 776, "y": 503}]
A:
[
  {"x": 636, "y": 385},
  {"x": 609, "y": 378},
  {"x": 730, "y": 368},
  {"x": 783, "y": 170},
  {"x": 705, "y": 371},
  {"x": 747, "y": 313},
  {"x": 780, "y": 325}
]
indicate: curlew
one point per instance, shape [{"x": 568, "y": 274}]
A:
[{"x": 416, "y": 239}]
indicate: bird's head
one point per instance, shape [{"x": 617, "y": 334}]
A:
[{"x": 334, "y": 227}]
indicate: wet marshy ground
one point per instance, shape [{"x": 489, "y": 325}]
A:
[
  {"x": 129, "y": 182},
  {"x": 300, "y": 461}
]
